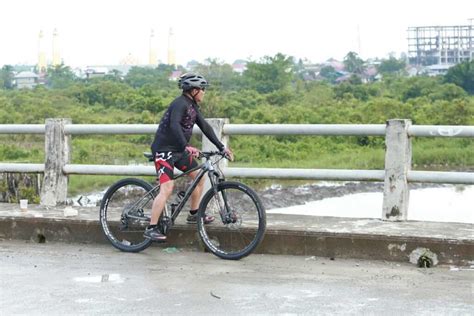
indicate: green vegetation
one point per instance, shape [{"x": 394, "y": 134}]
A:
[
  {"x": 462, "y": 75},
  {"x": 270, "y": 91}
]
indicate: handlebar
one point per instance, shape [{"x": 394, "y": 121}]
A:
[
  {"x": 202, "y": 154},
  {"x": 209, "y": 154}
]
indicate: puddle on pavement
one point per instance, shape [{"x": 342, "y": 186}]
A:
[{"x": 103, "y": 278}]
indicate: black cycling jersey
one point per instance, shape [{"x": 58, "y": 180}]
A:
[{"x": 176, "y": 126}]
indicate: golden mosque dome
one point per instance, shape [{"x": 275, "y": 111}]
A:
[{"x": 129, "y": 60}]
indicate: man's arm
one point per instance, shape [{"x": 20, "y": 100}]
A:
[{"x": 208, "y": 131}]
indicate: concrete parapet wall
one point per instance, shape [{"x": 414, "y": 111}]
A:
[{"x": 372, "y": 239}]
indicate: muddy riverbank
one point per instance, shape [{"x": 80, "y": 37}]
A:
[
  {"x": 278, "y": 196},
  {"x": 281, "y": 194}
]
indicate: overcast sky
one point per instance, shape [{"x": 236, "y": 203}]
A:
[{"x": 94, "y": 32}]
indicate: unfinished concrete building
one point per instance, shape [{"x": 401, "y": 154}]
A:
[{"x": 440, "y": 45}]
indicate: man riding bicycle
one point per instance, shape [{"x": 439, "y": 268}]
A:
[{"x": 171, "y": 148}]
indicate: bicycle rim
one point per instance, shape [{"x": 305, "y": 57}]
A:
[
  {"x": 125, "y": 212},
  {"x": 243, "y": 231}
]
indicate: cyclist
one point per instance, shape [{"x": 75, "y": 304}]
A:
[{"x": 171, "y": 148}]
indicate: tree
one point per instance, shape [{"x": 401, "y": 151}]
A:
[
  {"x": 462, "y": 75},
  {"x": 270, "y": 74},
  {"x": 139, "y": 76},
  {"x": 354, "y": 63},
  {"x": 6, "y": 77},
  {"x": 219, "y": 74},
  {"x": 114, "y": 75},
  {"x": 329, "y": 73},
  {"x": 60, "y": 76},
  {"x": 391, "y": 65}
]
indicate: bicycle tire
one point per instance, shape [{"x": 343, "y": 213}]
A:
[
  {"x": 122, "y": 194},
  {"x": 237, "y": 239}
]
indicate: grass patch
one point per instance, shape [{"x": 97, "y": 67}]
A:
[
  {"x": 82, "y": 184},
  {"x": 443, "y": 153}
]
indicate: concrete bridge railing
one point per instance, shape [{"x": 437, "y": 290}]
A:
[{"x": 396, "y": 175}]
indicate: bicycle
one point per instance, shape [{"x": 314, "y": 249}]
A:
[{"x": 240, "y": 216}]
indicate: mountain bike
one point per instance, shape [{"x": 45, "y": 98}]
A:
[{"x": 238, "y": 229}]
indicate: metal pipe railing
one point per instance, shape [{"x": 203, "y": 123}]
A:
[
  {"x": 441, "y": 131},
  {"x": 305, "y": 129},
  {"x": 22, "y": 128},
  {"x": 253, "y": 129},
  {"x": 397, "y": 173},
  {"x": 22, "y": 167},
  {"x": 279, "y": 173}
]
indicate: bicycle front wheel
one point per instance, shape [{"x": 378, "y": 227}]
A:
[
  {"x": 240, "y": 221},
  {"x": 125, "y": 213}
]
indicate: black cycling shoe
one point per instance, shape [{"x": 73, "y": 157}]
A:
[
  {"x": 154, "y": 234},
  {"x": 192, "y": 219}
]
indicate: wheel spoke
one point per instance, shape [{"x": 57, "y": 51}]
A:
[
  {"x": 125, "y": 213},
  {"x": 239, "y": 226}
]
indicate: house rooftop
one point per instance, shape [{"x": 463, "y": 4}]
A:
[{"x": 26, "y": 74}]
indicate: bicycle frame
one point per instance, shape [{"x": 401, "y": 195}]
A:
[
  {"x": 206, "y": 167},
  {"x": 203, "y": 168}
]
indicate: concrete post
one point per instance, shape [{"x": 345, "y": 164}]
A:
[
  {"x": 218, "y": 127},
  {"x": 57, "y": 154},
  {"x": 397, "y": 164}
]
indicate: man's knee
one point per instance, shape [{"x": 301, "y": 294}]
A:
[{"x": 166, "y": 188}]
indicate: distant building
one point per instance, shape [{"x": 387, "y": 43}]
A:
[
  {"x": 56, "y": 53},
  {"x": 440, "y": 45},
  {"x": 152, "y": 55},
  {"x": 171, "y": 48},
  {"x": 175, "y": 75},
  {"x": 343, "y": 78},
  {"x": 191, "y": 65},
  {"x": 41, "y": 54},
  {"x": 26, "y": 80},
  {"x": 100, "y": 71},
  {"x": 130, "y": 60},
  {"x": 239, "y": 66},
  {"x": 370, "y": 74},
  {"x": 96, "y": 72},
  {"x": 435, "y": 70},
  {"x": 336, "y": 64}
]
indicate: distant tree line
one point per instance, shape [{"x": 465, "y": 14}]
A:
[{"x": 271, "y": 90}]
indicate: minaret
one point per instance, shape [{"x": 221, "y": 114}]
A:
[
  {"x": 171, "y": 49},
  {"x": 41, "y": 54},
  {"x": 153, "y": 58},
  {"x": 56, "y": 56}
]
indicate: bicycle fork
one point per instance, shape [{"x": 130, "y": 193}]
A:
[{"x": 226, "y": 213}]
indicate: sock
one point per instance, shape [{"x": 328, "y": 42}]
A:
[
  {"x": 193, "y": 212},
  {"x": 152, "y": 226}
]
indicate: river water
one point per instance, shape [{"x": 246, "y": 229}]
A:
[
  {"x": 447, "y": 203},
  {"x": 439, "y": 204}
]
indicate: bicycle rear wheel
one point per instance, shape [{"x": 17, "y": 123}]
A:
[
  {"x": 125, "y": 213},
  {"x": 241, "y": 227}
]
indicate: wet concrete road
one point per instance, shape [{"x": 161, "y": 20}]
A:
[{"x": 59, "y": 278}]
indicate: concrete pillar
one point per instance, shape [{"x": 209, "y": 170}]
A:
[
  {"x": 57, "y": 154},
  {"x": 397, "y": 164},
  {"x": 218, "y": 127}
]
